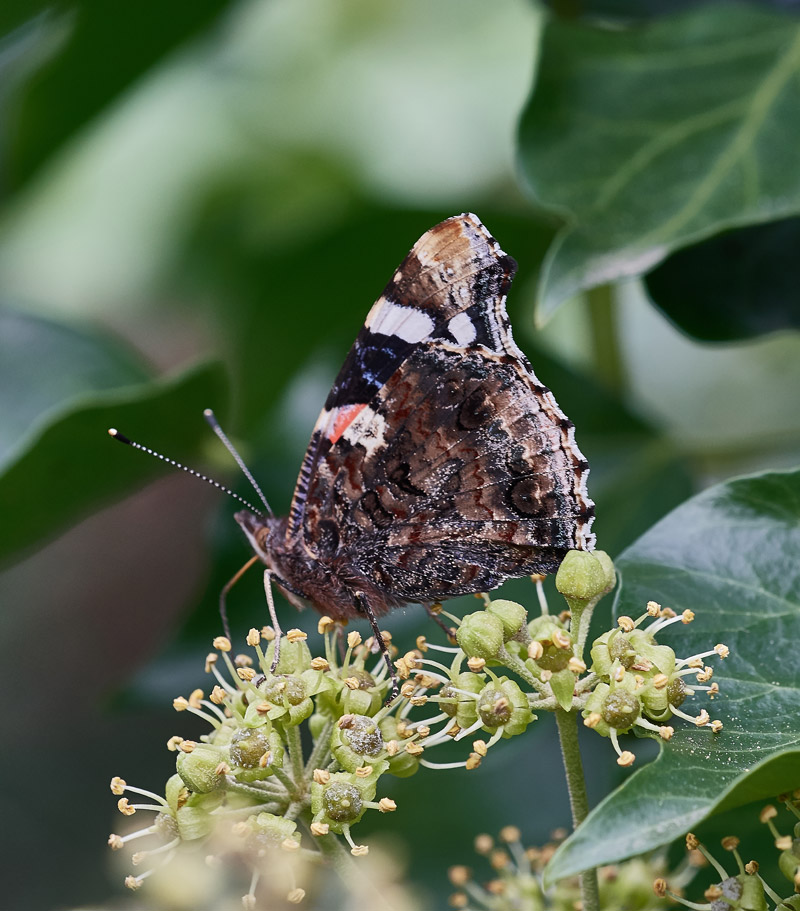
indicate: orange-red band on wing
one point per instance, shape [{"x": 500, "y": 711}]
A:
[{"x": 345, "y": 415}]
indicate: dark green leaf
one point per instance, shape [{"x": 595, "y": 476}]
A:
[
  {"x": 730, "y": 555},
  {"x": 736, "y": 285},
  {"x": 60, "y": 390},
  {"x": 656, "y": 137}
]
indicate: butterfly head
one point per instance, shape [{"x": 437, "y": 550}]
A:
[{"x": 259, "y": 532}]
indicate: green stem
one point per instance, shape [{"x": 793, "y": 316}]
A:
[
  {"x": 295, "y": 747},
  {"x": 578, "y": 801},
  {"x": 608, "y": 360},
  {"x": 320, "y": 754}
]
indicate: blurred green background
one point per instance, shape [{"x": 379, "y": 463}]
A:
[{"x": 200, "y": 201}]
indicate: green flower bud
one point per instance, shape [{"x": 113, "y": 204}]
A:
[
  {"x": 562, "y": 683},
  {"x": 289, "y": 698},
  {"x": 480, "y": 635},
  {"x": 341, "y": 801},
  {"x": 198, "y": 769},
  {"x": 581, "y": 576},
  {"x": 464, "y": 709},
  {"x": 608, "y": 569},
  {"x": 269, "y": 831},
  {"x": 620, "y": 709},
  {"x": 339, "y": 699},
  {"x": 594, "y": 706},
  {"x": 195, "y": 818},
  {"x": 295, "y": 657},
  {"x": 357, "y": 741},
  {"x": 176, "y": 792},
  {"x": 789, "y": 864},
  {"x": 655, "y": 704},
  {"x": 513, "y": 616},
  {"x": 316, "y": 724},
  {"x": 503, "y": 704},
  {"x": 662, "y": 657}
]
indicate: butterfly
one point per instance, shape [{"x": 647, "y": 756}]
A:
[{"x": 439, "y": 465}]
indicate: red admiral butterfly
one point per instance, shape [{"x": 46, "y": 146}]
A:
[{"x": 440, "y": 465}]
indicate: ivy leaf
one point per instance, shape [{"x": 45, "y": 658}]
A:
[
  {"x": 61, "y": 388},
  {"x": 656, "y": 137},
  {"x": 729, "y": 555},
  {"x": 739, "y": 284}
]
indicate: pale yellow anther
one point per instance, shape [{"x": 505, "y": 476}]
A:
[
  {"x": 296, "y": 635},
  {"x": 211, "y": 660},
  {"x": 353, "y": 639},
  {"x": 479, "y": 746},
  {"x": 422, "y": 643},
  {"x": 392, "y": 747},
  {"x": 687, "y": 616},
  {"x": 545, "y": 676},
  {"x": 730, "y": 843},
  {"x": 625, "y": 759},
  {"x": 769, "y": 812},
  {"x": 473, "y": 761},
  {"x": 132, "y": 883},
  {"x": 240, "y": 829},
  {"x": 751, "y": 867},
  {"x": 426, "y": 681},
  {"x": 138, "y": 857},
  {"x": 496, "y": 887},
  {"x": 320, "y": 664},
  {"x": 404, "y": 730},
  {"x": 359, "y": 850},
  {"x": 499, "y": 859},
  {"x": 413, "y": 659},
  {"x": 665, "y": 732},
  {"x": 264, "y": 708},
  {"x": 217, "y": 695},
  {"x": 459, "y": 875},
  {"x": 364, "y": 771},
  {"x": 174, "y": 743},
  {"x": 115, "y": 842},
  {"x": 267, "y": 633},
  {"x": 695, "y": 663},
  {"x": 702, "y": 719},
  {"x": 253, "y": 636},
  {"x": 423, "y": 730},
  {"x": 668, "y": 613},
  {"x": 660, "y": 681},
  {"x": 716, "y": 725},
  {"x": 454, "y": 731},
  {"x": 402, "y": 669},
  {"x": 638, "y": 680},
  {"x": 784, "y": 843},
  {"x": 660, "y": 887},
  {"x": 408, "y": 689},
  {"x": 626, "y": 624},
  {"x": 352, "y": 683},
  {"x": 535, "y": 650},
  {"x": 249, "y": 902},
  {"x": 692, "y": 841},
  {"x": 246, "y": 673},
  {"x": 195, "y": 698},
  {"x": 653, "y": 608},
  {"x": 387, "y": 805},
  {"x": 619, "y": 674},
  {"x": 319, "y": 829},
  {"x": 418, "y": 700},
  {"x": 295, "y": 896},
  {"x": 510, "y": 834},
  {"x": 322, "y": 776},
  {"x": 222, "y": 769},
  {"x": 576, "y": 665},
  {"x": 713, "y": 690},
  {"x": 243, "y": 661},
  {"x": 346, "y": 721},
  {"x": 561, "y": 639},
  {"x": 592, "y": 720},
  {"x": 265, "y": 759},
  {"x": 483, "y": 843},
  {"x": 222, "y": 644},
  {"x": 414, "y": 749},
  {"x": 642, "y": 665},
  {"x": 188, "y": 746},
  {"x": 124, "y": 807},
  {"x": 325, "y": 625},
  {"x": 476, "y": 665},
  {"x": 290, "y": 844},
  {"x": 180, "y": 703},
  {"x": 118, "y": 785},
  {"x": 722, "y": 650}
]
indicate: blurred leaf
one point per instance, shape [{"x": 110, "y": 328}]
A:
[
  {"x": 60, "y": 390},
  {"x": 656, "y": 137},
  {"x": 737, "y": 285},
  {"x": 110, "y": 46},
  {"x": 730, "y": 555},
  {"x": 632, "y": 10}
]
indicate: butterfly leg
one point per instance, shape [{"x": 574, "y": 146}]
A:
[
  {"x": 223, "y": 610},
  {"x": 362, "y": 605},
  {"x": 449, "y": 630},
  {"x": 273, "y": 616}
]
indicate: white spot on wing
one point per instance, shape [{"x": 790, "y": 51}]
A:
[
  {"x": 407, "y": 323},
  {"x": 462, "y": 329}
]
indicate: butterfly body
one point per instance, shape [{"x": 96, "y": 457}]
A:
[{"x": 439, "y": 466}]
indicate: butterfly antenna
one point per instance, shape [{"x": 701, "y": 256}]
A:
[
  {"x": 209, "y": 415},
  {"x": 123, "y": 439}
]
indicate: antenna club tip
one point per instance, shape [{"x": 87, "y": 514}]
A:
[
  {"x": 208, "y": 412},
  {"x": 112, "y": 431}
]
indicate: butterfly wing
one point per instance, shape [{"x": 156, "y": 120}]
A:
[{"x": 440, "y": 465}]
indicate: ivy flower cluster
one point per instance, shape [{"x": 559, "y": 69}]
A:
[
  {"x": 517, "y": 879},
  {"x": 745, "y": 889},
  {"x": 255, "y": 778}
]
